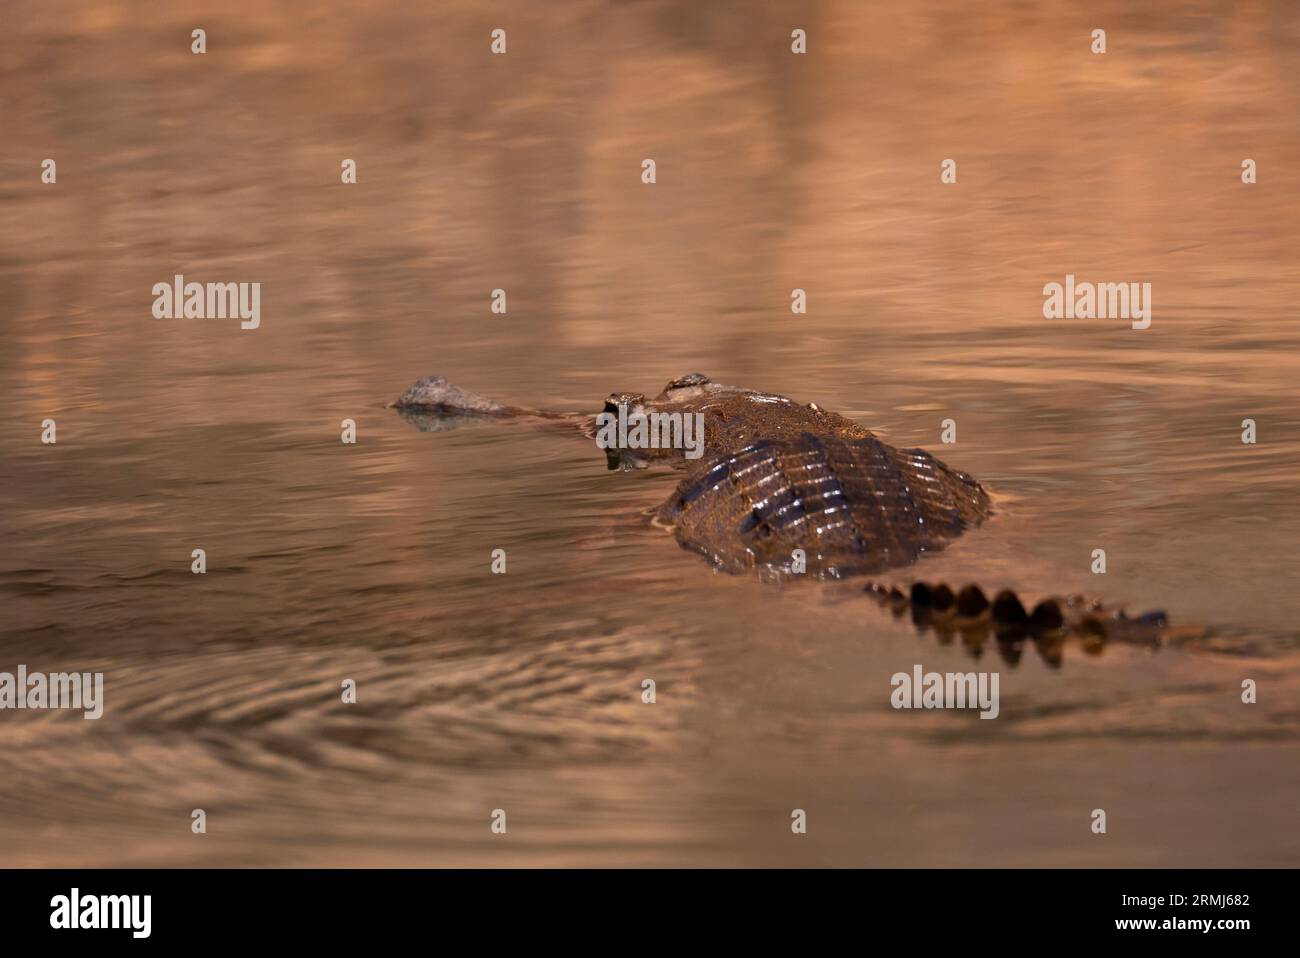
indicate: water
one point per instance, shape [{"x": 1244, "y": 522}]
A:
[{"x": 522, "y": 692}]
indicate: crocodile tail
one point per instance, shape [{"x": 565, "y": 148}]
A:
[{"x": 936, "y": 606}]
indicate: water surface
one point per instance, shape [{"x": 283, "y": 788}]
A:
[{"x": 522, "y": 172}]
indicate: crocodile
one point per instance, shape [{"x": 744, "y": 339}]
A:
[{"x": 787, "y": 488}]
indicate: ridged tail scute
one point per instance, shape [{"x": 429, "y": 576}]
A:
[{"x": 968, "y": 612}]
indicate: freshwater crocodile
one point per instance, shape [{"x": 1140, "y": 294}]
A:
[{"x": 786, "y": 487}]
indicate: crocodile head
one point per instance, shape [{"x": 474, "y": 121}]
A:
[
  {"x": 679, "y": 392},
  {"x": 682, "y": 395},
  {"x": 732, "y": 417}
]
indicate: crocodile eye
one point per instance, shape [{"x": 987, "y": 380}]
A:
[
  {"x": 631, "y": 400},
  {"x": 690, "y": 379}
]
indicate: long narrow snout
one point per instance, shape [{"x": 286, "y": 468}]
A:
[{"x": 435, "y": 405}]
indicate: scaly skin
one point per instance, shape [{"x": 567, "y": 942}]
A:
[{"x": 854, "y": 506}]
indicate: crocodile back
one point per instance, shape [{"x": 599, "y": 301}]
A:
[{"x": 854, "y": 505}]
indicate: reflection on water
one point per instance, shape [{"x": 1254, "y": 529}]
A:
[{"x": 522, "y": 172}]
